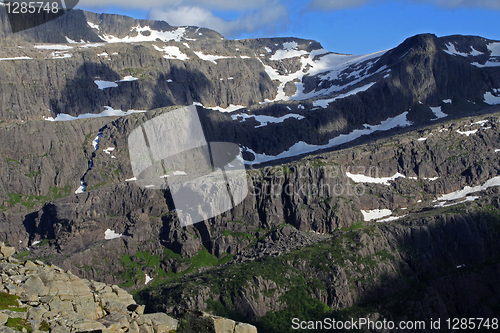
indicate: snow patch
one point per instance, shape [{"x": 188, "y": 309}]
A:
[
  {"x": 467, "y": 199},
  {"x": 494, "y": 61},
  {"x": 111, "y": 234},
  {"x": 230, "y": 108},
  {"x": 328, "y": 67},
  {"x": 172, "y": 52},
  {"x": 82, "y": 188},
  {"x": 375, "y": 214},
  {"x": 16, "y": 58},
  {"x": 289, "y": 51},
  {"x": 447, "y": 101},
  {"x": 301, "y": 147},
  {"x": 491, "y": 99},
  {"x": 87, "y": 45},
  {"x": 105, "y": 84},
  {"x": 93, "y": 25},
  {"x": 480, "y": 122},
  {"x": 164, "y": 36},
  {"x": 495, "y": 181},
  {"x": 53, "y": 47},
  {"x": 95, "y": 142},
  {"x": 148, "y": 278},
  {"x": 109, "y": 150},
  {"x": 101, "y": 84},
  {"x": 109, "y": 112},
  {"x": 265, "y": 120},
  {"x": 392, "y": 218},
  {"x": 438, "y": 113},
  {"x": 467, "y": 132},
  {"x": 360, "y": 178},
  {"x": 450, "y": 49},
  {"x": 128, "y": 79},
  {"x": 324, "y": 102},
  {"x": 210, "y": 57}
]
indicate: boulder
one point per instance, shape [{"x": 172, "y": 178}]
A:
[{"x": 201, "y": 322}]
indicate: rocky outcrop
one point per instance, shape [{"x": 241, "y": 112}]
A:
[
  {"x": 197, "y": 321},
  {"x": 46, "y": 297},
  {"x": 39, "y": 297}
]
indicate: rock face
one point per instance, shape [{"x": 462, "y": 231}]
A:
[
  {"x": 429, "y": 265},
  {"x": 196, "y": 321},
  {"x": 51, "y": 297},
  {"x": 45, "y": 297}
]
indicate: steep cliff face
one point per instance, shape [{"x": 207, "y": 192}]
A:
[
  {"x": 40, "y": 297},
  {"x": 441, "y": 266},
  {"x": 103, "y": 61}
]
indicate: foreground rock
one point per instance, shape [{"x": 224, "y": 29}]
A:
[
  {"x": 197, "y": 321},
  {"x": 40, "y": 297}
]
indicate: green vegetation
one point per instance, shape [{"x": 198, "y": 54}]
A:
[
  {"x": 217, "y": 308},
  {"x": 19, "y": 324},
  {"x": 44, "y": 327},
  {"x": 295, "y": 286},
  {"x": 33, "y": 201},
  {"x": 239, "y": 235},
  {"x": 133, "y": 266},
  {"x": 12, "y": 162},
  {"x": 354, "y": 226},
  {"x": 22, "y": 255},
  {"x": 300, "y": 305},
  {"x": 33, "y": 174},
  {"x": 10, "y": 302}
]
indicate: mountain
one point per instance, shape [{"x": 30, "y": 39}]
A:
[{"x": 373, "y": 179}]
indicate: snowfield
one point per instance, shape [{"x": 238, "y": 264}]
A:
[
  {"x": 491, "y": 99},
  {"x": 301, "y": 147},
  {"x": 438, "y": 113},
  {"x": 172, "y": 52},
  {"x": 359, "y": 178},
  {"x": 265, "y": 120},
  {"x": 108, "y": 112},
  {"x": 210, "y": 57},
  {"x": 15, "y": 58},
  {"x": 329, "y": 66},
  {"x": 375, "y": 214},
  {"x": 111, "y": 234},
  {"x": 495, "y": 181},
  {"x": 165, "y": 36}
]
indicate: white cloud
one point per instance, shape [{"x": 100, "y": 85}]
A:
[
  {"x": 248, "y": 16},
  {"x": 336, "y": 4},
  {"x": 341, "y": 4},
  {"x": 265, "y": 19},
  {"x": 152, "y": 4},
  {"x": 233, "y": 18}
]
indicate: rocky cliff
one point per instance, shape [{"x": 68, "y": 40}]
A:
[
  {"x": 103, "y": 63},
  {"x": 309, "y": 229},
  {"x": 36, "y": 297}
]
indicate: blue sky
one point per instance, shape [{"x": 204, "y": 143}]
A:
[{"x": 345, "y": 26}]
